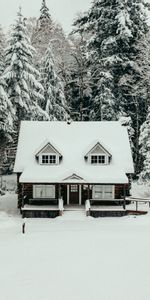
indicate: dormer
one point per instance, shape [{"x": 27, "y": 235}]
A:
[
  {"x": 48, "y": 155},
  {"x": 98, "y": 155}
]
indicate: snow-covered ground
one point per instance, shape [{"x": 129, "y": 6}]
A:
[
  {"x": 140, "y": 190},
  {"x": 73, "y": 257}
]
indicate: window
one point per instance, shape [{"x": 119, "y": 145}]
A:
[
  {"x": 74, "y": 188},
  {"x": 103, "y": 192},
  {"x": 49, "y": 159},
  {"x": 98, "y": 159},
  {"x": 98, "y": 192},
  {"x": 44, "y": 191}
]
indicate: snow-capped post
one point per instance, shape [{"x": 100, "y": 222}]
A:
[
  {"x": 61, "y": 206},
  {"x": 136, "y": 205},
  {"x": 124, "y": 201},
  {"x": 23, "y": 227}
]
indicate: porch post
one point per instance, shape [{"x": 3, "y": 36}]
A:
[
  {"x": 59, "y": 191},
  {"x": 22, "y": 196},
  {"x": 88, "y": 192},
  {"x": 124, "y": 192},
  {"x": 136, "y": 205},
  {"x": 68, "y": 194},
  {"x": 80, "y": 194}
]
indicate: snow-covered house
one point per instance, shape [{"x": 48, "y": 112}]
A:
[{"x": 73, "y": 162}]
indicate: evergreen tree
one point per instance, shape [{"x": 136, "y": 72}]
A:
[
  {"x": 55, "y": 103},
  {"x": 2, "y": 46},
  {"x": 78, "y": 87},
  {"x": 23, "y": 88},
  {"x": 45, "y": 15},
  {"x": 6, "y": 109},
  {"x": 47, "y": 31},
  {"x": 145, "y": 149},
  {"x": 42, "y": 33},
  {"x": 117, "y": 50}
]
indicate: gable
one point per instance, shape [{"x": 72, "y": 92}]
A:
[
  {"x": 48, "y": 149},
  {"x": 73, "y": 177},
  {"x": 98, "y": 149}
]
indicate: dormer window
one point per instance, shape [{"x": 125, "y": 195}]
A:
[
  {"x": 98, "y": 155},
  {"x": 48, "y": 155},
  {"x": 98, "y": 159},
  {"x": 49, "y": 159}
]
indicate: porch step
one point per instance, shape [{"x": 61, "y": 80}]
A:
[{"x": 74, "y": 208}]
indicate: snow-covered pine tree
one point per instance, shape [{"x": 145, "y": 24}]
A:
[
  {"x": 2, "y": 46},
  {"x": 78, "y": 86},
  {"x": 47, "y": 31},
  {"x": 6, "y": 109},
  {"x": 42, "y": 33},
  {"x": 45, "y": 15},
  {"x": 24, "y": 90},
  {"x": 55, "y": 103},
  {"x": 116, "y": 49},
  {"x": 144, "y": 141},
  {"x": 127, "y": 122}
]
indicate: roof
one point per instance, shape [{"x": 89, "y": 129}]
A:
[{"x": 73, "y": 141}]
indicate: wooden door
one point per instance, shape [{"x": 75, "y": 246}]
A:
[{"x": 74, "y": 194}]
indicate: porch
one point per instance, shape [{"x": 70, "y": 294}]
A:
[
  {"x": 95, "y": 200},
  {"x": 74, "y": 194}
]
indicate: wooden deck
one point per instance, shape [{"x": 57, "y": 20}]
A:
[
  {"x": 48, "y": 211},
  {"x": 90, "y": 209}
]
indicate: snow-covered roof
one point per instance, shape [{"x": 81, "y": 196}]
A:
[{"x": 73, "y": 141}]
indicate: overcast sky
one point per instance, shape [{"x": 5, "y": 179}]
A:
[{"x": 63, "y": 11}]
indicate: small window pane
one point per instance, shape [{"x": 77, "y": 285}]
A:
[
  {"x": 48, "y": 159},
  {"x": 98, "y": 159},
  {"x": 74, "y": 188}
]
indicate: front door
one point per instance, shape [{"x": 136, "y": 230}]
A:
[{"x": 74, "y": 194}]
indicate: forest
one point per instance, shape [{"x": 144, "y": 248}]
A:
[{"x": 100, "y": 71}]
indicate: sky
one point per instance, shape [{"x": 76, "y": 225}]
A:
[{"x": 63, "y": 11}]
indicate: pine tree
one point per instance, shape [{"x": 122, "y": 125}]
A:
[
  {"x": 78, "y": 86},
  {"x": 144, "y": 141},
  {"x": 45, "y": 15},
  {"x": 55, "y": 103},
  {"x": 42, "y": 33},
  {"x": 117, "y": 50},
  {"x": 47, "y": 31},
  {"x": 6, "y": 109},
  {"x": 24, "y": 90},
  {"x": 2, "y": 46}
]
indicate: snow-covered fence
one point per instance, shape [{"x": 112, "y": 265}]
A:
[
  {"x": 138, "y": 200},
  {"x": 61, "y": 206},
  {"x": 87, "y": 207}
]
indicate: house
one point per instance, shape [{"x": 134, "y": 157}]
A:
[{"x": 60, "y": 164}]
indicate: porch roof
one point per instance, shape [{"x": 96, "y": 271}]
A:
[{"x": 108, "y": 174}]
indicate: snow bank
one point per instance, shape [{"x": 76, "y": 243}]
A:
[{"x": 140, "y": 190}]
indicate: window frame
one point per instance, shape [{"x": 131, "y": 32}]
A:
[
  {"x": 44, "y": 188},
  {"x": 49, "y": 163},
  {"x": 103, "y": 192},
  {"x": 98, "y": 162}
]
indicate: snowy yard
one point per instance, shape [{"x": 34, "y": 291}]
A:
[{"x": 73, "y": 258}]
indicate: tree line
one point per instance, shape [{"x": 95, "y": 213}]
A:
[{"x": 99, "y": 72}]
